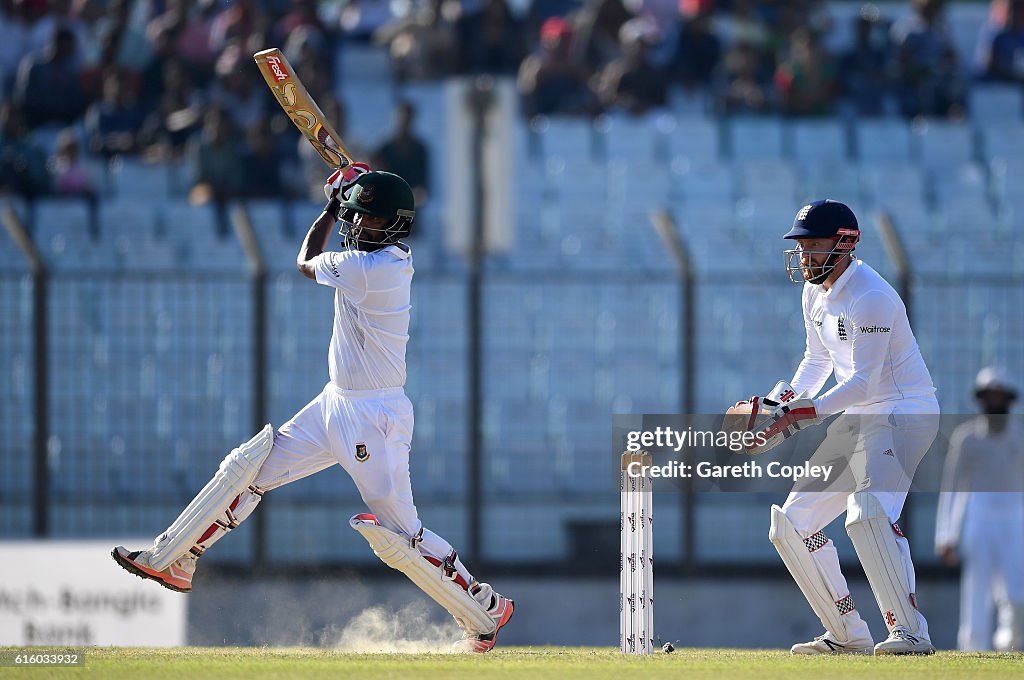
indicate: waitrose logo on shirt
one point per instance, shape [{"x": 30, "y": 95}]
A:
[{"x": 874, "y": 329}]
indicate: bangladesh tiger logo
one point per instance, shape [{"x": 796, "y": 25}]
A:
[
  {"x": 362, "y": 455},
  {"x": 365, "y": 195}
]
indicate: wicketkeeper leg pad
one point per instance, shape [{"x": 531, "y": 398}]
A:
[
  {"x": 874, "y": 540},
  {"x": 796, "y": 552},
  {"x": 433, "y": 576},
  {"x": 234, "y": 476}
]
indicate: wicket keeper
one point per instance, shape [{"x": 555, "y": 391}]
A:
[{"x": 857, "y": 327}]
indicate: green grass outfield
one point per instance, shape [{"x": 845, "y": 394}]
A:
[{"x": 589, "y": 663}]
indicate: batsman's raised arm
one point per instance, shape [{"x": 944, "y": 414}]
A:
[
  {"x": 336, "y": 188},
  {"x": 315, "y": 243}
]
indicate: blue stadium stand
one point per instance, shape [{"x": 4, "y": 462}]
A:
[
  {"x": 129, "y": 224},
  {"x": 886, "y": 183},
  {"x": 696, "y": 139},
  {"x": 368, "y": 106},
  {"x": 944, "y": 144},
  {"x": 199, "y": 240},
  {"x": 634, "y": 141},
  {"x": 697, "y": 183},
  {"x": 61, "y": 232},
  {"x": 960, "y": 183},
  {"x": 754, "y": 138},
  {"x": 840, "y": 181},
  {"x": 279, "y": 243},
  {"x": 769, "y": 180},
  {"x": 883, "y": 140},
  {"x": 133, "y": 179},
  {"x": 995, "y": 105},
  {"x": 571, "y": 139},
  {"x": 818, "y": 144}
]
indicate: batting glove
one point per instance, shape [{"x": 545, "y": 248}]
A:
[{"x": 342, "y": 179}]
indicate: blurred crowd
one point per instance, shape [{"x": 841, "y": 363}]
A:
[
  {"x": 768, "y": 57},
  {"x": 173, "y": 79}
]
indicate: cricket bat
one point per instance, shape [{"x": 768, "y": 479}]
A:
[{"x": 293, "y": 97}]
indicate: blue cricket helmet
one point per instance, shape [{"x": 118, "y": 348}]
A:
[{"x": 821, "y": 219}]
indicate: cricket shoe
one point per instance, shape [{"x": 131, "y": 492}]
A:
[
  {"x": 902, "y": 641},
  {"x": 824, "y": 644},
  {"x": 499, "y": 608},
  {"x": 177, "y": 577}
]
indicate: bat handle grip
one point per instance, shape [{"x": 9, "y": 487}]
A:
[{"x": 350, "y": 172}]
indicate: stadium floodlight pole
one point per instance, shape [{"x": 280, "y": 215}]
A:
[
  {"x": 665, "y": 227},
  {"x": 479, "y": 99},
  {"x": 897, "y": 253},
  {"x": 242, "y": 224},
  {"x": 897, "y": 256},
  {"x": 40, "y": 383}
]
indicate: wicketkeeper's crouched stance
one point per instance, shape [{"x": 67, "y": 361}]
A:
[
  {"x": 857, "y": 326},
  {"x": 362, "y": 419}
]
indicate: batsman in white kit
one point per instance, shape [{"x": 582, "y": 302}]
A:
[
  {"x": 856, "y": 326},
  {"x": 361, "y": 420}
]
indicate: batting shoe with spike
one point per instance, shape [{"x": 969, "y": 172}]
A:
[
  {"x": 902, "y": 641},
  {"x": 824, "y": 644},
  {"x": 499, "y": 607},
  {"x": 177, "y": 577}
]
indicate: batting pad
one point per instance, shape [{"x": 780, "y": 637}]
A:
[
  {"x": 236, "y": 472},
  {"x": 872, "y": 536},
  {"x": 398, "y": 552},
  {"x": 796, "y": 555}
]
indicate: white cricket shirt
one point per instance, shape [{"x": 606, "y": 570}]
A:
[
  {"x": 859, "y": 328},
  {"x": 371, "y": 315},
  {"x": 983, "y": 476}
]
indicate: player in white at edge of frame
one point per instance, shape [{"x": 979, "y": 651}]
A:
[
  {"x": 361, "y": 420},
  {"x": 980, "y": 518},
  {"x": 856, "y": 326}
]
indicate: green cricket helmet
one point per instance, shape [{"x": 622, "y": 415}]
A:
[{"x": 379, "y": 194}]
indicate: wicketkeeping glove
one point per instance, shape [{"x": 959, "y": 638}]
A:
[{"x": 783, "y": 421}]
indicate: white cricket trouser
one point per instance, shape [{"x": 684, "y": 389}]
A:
[
  {"x": 368, "y": 433},
  {"x": 992, "y": 554},
  {"x": 882, "y": 454}
]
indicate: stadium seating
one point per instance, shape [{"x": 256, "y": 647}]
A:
[
  {"x": 571, "y": 139},
  {"x": 63, "y": 233},
  {"x": 696, "y": 139},
  {"x": 995, "y": 105},
  {"x": 818, "y": 144},
  {"x": 883, "y": 141},
  {"x": 634, "y": 141},
  {"x": 944, "y": 144},
  {"x": 755, "y": 138},
  {"x": 152, "y": 307}
]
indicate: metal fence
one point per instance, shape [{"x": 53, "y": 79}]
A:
[{"x": 148, "y": 379}]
